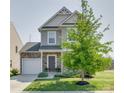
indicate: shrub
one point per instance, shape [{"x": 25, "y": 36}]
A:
[
  {"x": 14, "y": 72},
  {"x": 69, "y": 74},
  {"x": 11, "y": 74},
  {"x": 58, "y": 69},
  {"x": 59, "y": 75},
  {"x": 73, "y": 74},
  {"x": 46, "y": 69},
  {"x": 43, "y": 74}
]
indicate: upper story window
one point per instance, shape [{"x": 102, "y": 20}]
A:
[
  {"x": 16, "y": 49},
  {"x": 51, "y": 37}
]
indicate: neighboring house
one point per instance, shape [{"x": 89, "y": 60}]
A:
[
  {"x": 45, "y": 55},
  {"x": 15, "y": 46}
]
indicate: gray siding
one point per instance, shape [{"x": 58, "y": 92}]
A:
[
  {"x": 64, "y": 35},
  {"x": 44, "y": 37}
]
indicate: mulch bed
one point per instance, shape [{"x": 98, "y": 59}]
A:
[{"x": 82, "y": 83}]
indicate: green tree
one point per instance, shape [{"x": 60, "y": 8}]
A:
[{"x": 86, "y": 52}]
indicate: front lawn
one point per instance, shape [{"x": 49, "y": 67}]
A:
[{"x": 102, "y": 81}]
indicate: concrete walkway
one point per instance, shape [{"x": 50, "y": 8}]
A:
[
  {"x": 68, "y": 92},
  {"x": 50, "y": 75},
  {"x": 18, "y": 83}
]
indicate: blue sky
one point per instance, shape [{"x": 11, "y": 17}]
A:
[{"x": 28, "y": 15}]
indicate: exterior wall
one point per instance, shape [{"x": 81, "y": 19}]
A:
[
  {"x": 45, "y": 59},
  {"x": 64, "y": 35},
  {"x": 44, "y": 37},
  {"x": 14, "y": 42}
]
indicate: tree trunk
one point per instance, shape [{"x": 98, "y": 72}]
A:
[{"x": 82, "y": 75}]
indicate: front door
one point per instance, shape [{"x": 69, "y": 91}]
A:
[{"x": 51, "y": 60}]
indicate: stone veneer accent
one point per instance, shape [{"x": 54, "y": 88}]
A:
[
  {"x": 45, "y": 59},
  {"x": 31, "y": 55}
]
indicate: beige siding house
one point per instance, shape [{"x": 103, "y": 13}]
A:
[
  {"x": 45, "y": 55},
  {"x": 15, "y": 46}
]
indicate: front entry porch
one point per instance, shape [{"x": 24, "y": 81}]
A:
[{"x": 51, "y": 62}]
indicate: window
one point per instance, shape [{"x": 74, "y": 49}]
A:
[
  {"x": 16, "y": 49},
  {"x": 52, "y": 37},
  {"x": 10, "y": 63}
]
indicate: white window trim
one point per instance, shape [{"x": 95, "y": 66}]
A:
[
  {"x": 48, "y": 60},
  {"x": 48, "y": 38}
]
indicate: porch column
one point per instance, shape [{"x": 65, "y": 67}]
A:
[
  {"x": 41, "y": 61},
  {"x": 62, "y": 67}
]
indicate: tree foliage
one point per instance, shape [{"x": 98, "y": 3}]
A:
[{"x": 87, "y": 51}]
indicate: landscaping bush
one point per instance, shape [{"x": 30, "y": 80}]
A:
[
  {"x": 60, "y": 75},
  {"x": 58, "y": 69},
  {"x": 73, "y": 74},
  {"x": 11, "y": 74},
  {"x": 46, "y": 69},
  {"x": 68, "y": 74},
  {"x": 14, "y": 72},
  {"x": 43, "y": 74}
]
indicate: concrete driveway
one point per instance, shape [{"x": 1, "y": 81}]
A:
[{"x": 18, "y": 83}]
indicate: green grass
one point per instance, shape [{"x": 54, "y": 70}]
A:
[{"x": 102, "y": 81}]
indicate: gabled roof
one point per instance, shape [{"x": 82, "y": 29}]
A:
[
  {"x": 58, "y": 17},
  {"x": 53, "y": 47},
  {"x": 36, "y": 47},
  {"x": 64, "y": 11},
  {"x": 31, "y": 46},
  {"x": 63, "y": 17},
  {"x": 71, "y": 19}
]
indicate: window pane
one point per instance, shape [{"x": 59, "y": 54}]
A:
[
  {"x": 52, "y": 34},
  {"x": 52, "y": 37},
  {"x": 51, "y": 40}
]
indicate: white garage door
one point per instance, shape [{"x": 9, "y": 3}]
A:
[{"x": 31, "y": 65}]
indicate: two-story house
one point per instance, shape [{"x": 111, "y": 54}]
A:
[{"x": 45, "y": 55}]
